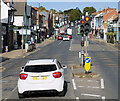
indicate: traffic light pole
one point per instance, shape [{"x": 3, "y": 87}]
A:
[
  {"x": 86, "y": 45},
  {"x": 82, "y": 54}
]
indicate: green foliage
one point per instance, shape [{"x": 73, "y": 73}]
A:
[
  {"x": 115, "y": 33},
  {"x": 67, "y": 11},
  {"x": 53, "y": 11},
  {"x": 74, "y": 14},
  {"x": 111, "y": 34},
  {"x": 90, "y": 10},
  {"x": 107, "y": 33},
  {"x": 60, "y": 12}
]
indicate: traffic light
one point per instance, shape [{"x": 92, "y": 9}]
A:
[
  {"x": 82, "y": 43},
  {"x": 82, "y": 22},
  {"x": 87, "y": 25}
]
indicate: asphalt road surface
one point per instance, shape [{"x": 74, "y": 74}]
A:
[{"x": 104, "y": 60}]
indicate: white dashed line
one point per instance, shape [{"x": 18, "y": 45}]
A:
[
  {"x": 14, "y": 89},
  {"x": 91, "y": 95},
  {"x": 89, "y": 81},
  {"x": 5, "y": 99},
  {"x": 70, "y": 44},
  {"x": 102, "y": 84},
  {"x": 77, "y": 98},
  {"x": 88, "y": 87},
  {"x": 74, "y": 85},
  {"x": 60, "y": 43},
  {"x": 103, "y": 98}
]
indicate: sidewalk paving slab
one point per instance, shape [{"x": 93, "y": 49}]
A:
[{"x": 21, "y": 52}]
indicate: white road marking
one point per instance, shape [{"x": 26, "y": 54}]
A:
[
  {"x": 5, "y": 99},
  {"x": 91, "y": 95},
  {"x": 103, "y": 98},
  {"x": 89, "y": 81},
  {"x": 74, "y": 85},
  {"x": 14, "y": 89},
  {"x": 70, "y": 44},
  {"x": 92, "y": 87},
  {"x": 77, "y": 98},
  {"x": 3, "y": 81},
  {"x": 88, "y": 87},
  {"x": 102, "y": 84},
  {"x": 60, "y": 43}
]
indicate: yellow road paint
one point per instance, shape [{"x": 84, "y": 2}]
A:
[
  {"x": 68, "y": 61},
  {"x": 107, "y": 60},
  {"x": 85, "y": 54},
  {"x": 2, "y": 69},
  {"x": 104, "y": 58},
  {"x": 112, "y": 65},
  {"x": 18, "y": 67}
]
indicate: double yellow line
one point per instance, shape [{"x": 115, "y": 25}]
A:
[{"x": 2, "y": 69}]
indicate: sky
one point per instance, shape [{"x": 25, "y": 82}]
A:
[{"x": 72, "y": 5}]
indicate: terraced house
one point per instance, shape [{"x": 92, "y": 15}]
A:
[{"x": 105, "y": 21}]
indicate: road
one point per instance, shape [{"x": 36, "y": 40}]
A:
[{"x": 104, "y": 60}]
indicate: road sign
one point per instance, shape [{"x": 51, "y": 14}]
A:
[{"x": 87, "y": 63}]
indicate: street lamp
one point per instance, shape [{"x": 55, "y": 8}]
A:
[
  {"x": 26, "y": 23},
  {"x": 26, "y": 45}
]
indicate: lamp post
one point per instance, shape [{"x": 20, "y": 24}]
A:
[
  {"x": 26, "y": 23},
  {"x": 26, "y": 45},
  {"x": 39, "y": 21}
]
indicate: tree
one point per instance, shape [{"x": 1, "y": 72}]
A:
[
  {"x": 74, "y": 15},
  {"x": 67, "y": 11},
  {"x": 60, "y": 12},
  {"x": 53, "y": 11},
  {"x": 90, "y": 10}
]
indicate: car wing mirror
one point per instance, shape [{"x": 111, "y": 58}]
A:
[
  {"x": 22, "y": 68},
  {"x": 64, "y": 66}
]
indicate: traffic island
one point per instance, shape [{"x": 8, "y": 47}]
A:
[
  {"x": 76, "y": 66},
  {"x": 85, "y": 75}
]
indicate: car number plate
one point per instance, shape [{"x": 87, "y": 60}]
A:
[{"x": 39, "y": 78}]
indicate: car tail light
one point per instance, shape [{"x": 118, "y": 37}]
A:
[
  {"x": 57, "y": 74},
  {"x": 23, "y": 76}
]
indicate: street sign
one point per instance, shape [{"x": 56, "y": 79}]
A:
[{"x": 87, "y": 63}]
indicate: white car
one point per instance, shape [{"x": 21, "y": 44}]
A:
[
  {"x": 66, "y": 38},
  {"x": 41, "y": 75}
]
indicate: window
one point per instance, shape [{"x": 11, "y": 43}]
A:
[
  {"x": 40, "y": 68},
  {"x": 59, "y": 65}
]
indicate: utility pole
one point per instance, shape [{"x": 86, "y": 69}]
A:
[
  {"x": 26, "y": 23},
  {"x": 87, "y": 28},
  {"x": 39, "y": 22},
  {"x": 26, "y": 45},
  {"x": 82, "y": 42}
]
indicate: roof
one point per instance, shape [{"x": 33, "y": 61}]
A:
[
  {"x": 106, "y": 10},
  {"x": 20, "y": 7},
  {"x": 110, "y": 16},
  {"x": 94, "y": 13},
  {"x": 41, "y": 62},
  {"x": 46, "y": 14},
  {"x": 35, "y": 8},
  {"x": 98, "y": 12}
]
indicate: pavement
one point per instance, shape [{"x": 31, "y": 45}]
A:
[
  {"x": 103, "y": 41},
  {"x": 22, "y": 53}
]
